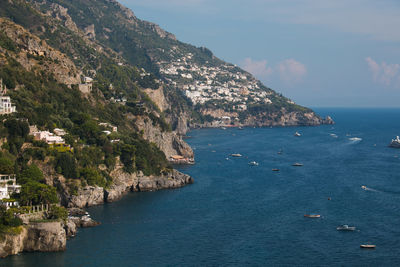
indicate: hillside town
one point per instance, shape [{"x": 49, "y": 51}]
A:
[{"x": 224, "y": 83}]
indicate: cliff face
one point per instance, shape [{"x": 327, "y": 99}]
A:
[
  {"x": 169, "y": 142},
  {"x": 49, "y": 236},
  {"x": 34, "y": 53},
  {"x": 13, "y": 244},
  {"x": 123, "y": 183}
]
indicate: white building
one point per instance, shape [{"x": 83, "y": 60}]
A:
[
  {"x": 8, "y": 186},
  {"x": 6, "y": 107},
  {"x": 48, "y": 137},
  {"x": 59, "y": 132}
]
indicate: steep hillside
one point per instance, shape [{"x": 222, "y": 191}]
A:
[
  {"x": 104, "y": 136},
  {"x": 206, "y": 89}
]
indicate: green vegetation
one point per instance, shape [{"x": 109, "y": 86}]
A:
[
  {"x": 34, "y": 193},
  {"x": 57, "y": 213},
  {"x": 9, "y": 223}
]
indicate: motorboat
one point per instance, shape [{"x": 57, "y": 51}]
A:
[
  {"x": 345, "y": 227},
  {"x": 364, "y": 187},
  {"x": 253, "y": 163},
  {"x": 395, "y": 142},
  {"x": 297, "y": 134},
  {"x": 312, "y": 215},
  {"x": 236, "y": 155},
  {"x": 297, "y": 164},
  {"x": 367, "y": 246},
  {"x": 275, "y": 170},
  {"x": 240, "y": 128}
]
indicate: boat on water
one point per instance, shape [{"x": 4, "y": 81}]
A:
[
  {"x": 297, "y": 134},
  {"x": 355, "y": 139},
  {"x": 240, "y": 128},
  {"x": 275, "y": 170},
  {"x": 223, "y": 128},
  {"x": 253, "y": 163},
  {"x": 364, "y": 187},
  {"x": 345, "y": 227},
  {"x": 312, "y": 215},
  {"x": 297, "y": 164},
  {"x": 236, "y": 155},
  {"x": 367, "y": 246},
  {"x": 395, "y": 142}
]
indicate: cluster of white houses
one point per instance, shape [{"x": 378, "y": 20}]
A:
[
  {"x": 8, "y": 186},
  {"x": 224, "y": 83}
]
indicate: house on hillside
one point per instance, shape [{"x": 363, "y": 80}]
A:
[
  {"x": 8, "y": 186},
  {"x": 48, "y": 137},
  {"x": 6, "y": 106},
  {"x": 87, "y": 85}
]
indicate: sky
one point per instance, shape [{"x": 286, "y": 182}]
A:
[{"x": 319, "y": 53}]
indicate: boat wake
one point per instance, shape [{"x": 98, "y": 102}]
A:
[
  {"x": 380, "y": 191},
  {"x": 369, "y": 189}
]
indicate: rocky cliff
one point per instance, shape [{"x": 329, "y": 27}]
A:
[
  {"x": 123, "y": 183},
  {"x": 48, "y": 236}
]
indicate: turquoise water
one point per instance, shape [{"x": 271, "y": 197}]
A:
[{"x": 240, "y": 215}]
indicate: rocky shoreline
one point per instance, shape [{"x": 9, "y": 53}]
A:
[{"x": 51, "y": 236}]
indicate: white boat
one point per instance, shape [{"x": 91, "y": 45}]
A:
[
  {"x": 355, "y": 139},
  {"x": 367, "y": 246},
  {"x": 395, "y": 142},
  {"x": 312, "y": 215},
  {"x": 297, "y": 164},
  {"x": 253, "y": 163},
  {"x": 297, "y": 134},
  {"x": 345, "y": 227},
  {"x": 236, "y": 155}
]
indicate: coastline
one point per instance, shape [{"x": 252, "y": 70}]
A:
[{"x": 52, "y": 236}]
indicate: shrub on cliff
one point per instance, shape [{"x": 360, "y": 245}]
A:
[
  {"x": 7, "y": 218},
  {"x": 92, "y": 176},
  {"x": 58, "y": 212}
]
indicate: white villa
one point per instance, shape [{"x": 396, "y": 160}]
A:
[
  {"x": 8, "y": 186},
  {"x": 6, "y": 107},
  {"x": 48, "y": 137}
]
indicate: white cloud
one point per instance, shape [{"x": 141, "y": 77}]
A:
[
  {"x": 387, "y": 74},
  {"x": 257, "y": 68},
  {"x": 291, "y": 71},
  {"x": 288, "y": 71}
]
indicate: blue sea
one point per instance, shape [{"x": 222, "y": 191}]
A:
[{"x": 241, "y": 215}]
